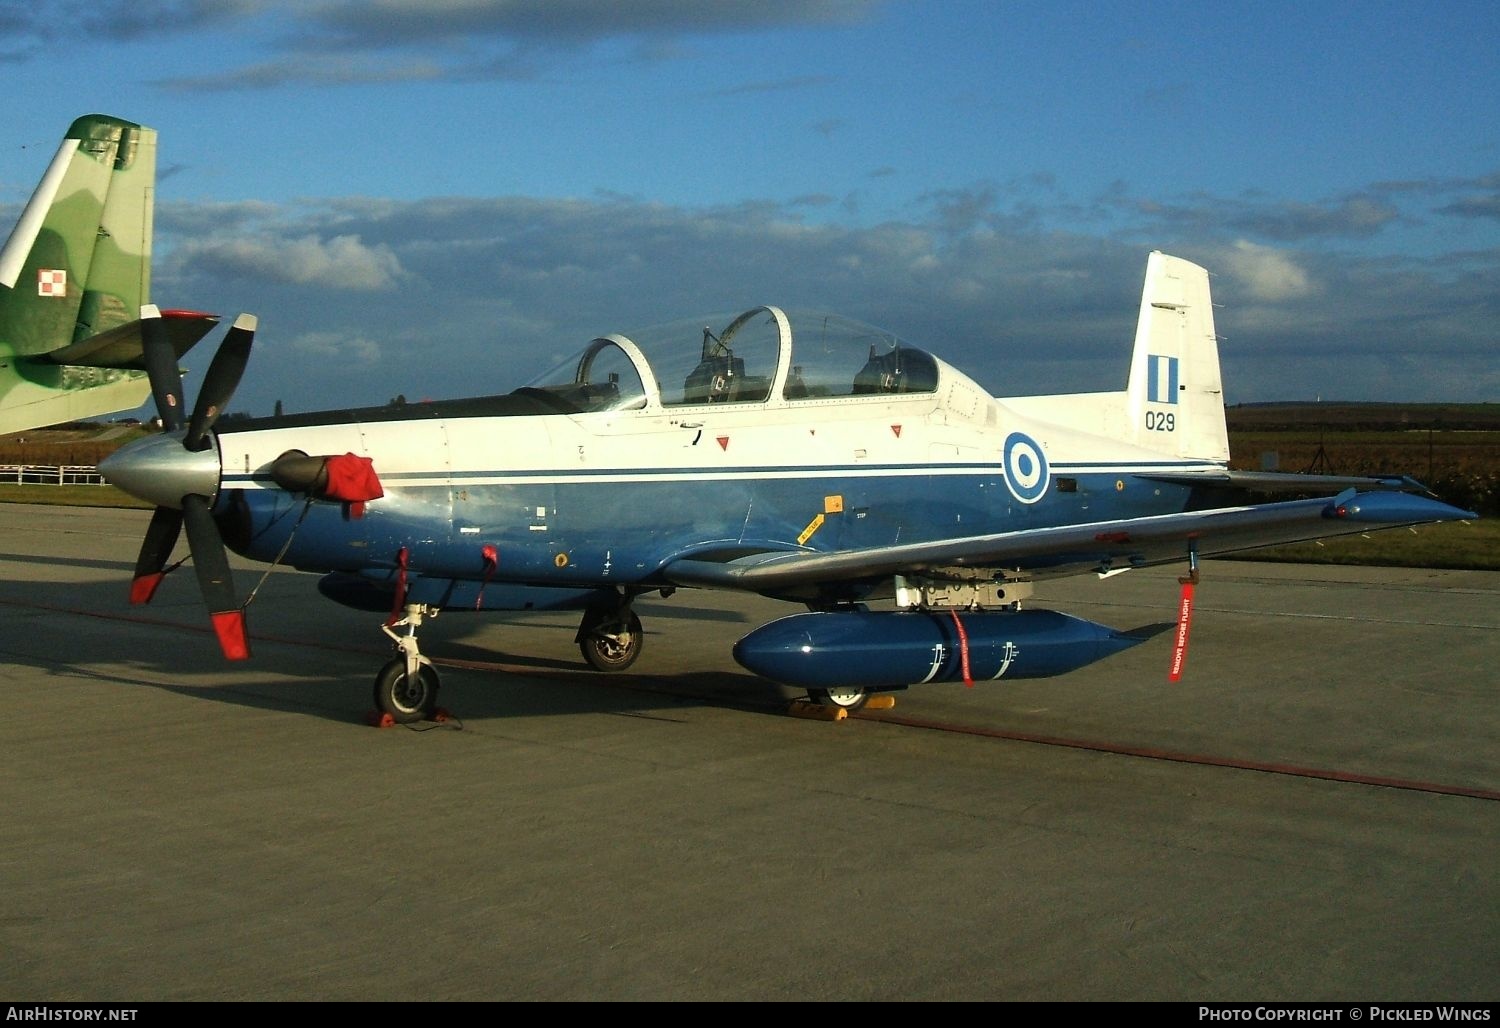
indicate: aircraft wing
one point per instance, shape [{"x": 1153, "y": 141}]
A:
[
  {"x": 120, "y": 347},
  {"x": 1099, "y": 547},
  {"x": 1283, "y": 482}
]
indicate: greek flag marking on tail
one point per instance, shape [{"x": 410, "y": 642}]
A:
[{"x": 1161, "y": 378}]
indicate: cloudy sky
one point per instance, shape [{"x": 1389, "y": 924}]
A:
[{"x": 440, "y": 197}]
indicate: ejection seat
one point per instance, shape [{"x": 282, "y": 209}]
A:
[{"x": 901, "y": 370}]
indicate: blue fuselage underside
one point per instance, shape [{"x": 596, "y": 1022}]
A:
[{"x": 574, "y": 534}]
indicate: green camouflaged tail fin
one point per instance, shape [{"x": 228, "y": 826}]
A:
[
  {"x": 77, "y": 265},
  {"x": 79, "y": 260}
]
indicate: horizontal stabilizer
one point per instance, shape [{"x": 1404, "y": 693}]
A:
[
  {"x": 120, "y": 347},
  {"x": 1281, "y": 482}
]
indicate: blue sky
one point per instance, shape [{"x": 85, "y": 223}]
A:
[{"x": 439, "y": 198}]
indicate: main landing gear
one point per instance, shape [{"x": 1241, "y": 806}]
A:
[{"x": 610, "y": 636}]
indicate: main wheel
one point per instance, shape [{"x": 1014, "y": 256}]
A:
[
  {"x": 404, "y": 698},
  {"x": 849, "y": 697},
  {"x": 613, "y": 647}
]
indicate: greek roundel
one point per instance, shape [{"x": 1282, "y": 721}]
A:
[{"x": 1026, "y": 471}]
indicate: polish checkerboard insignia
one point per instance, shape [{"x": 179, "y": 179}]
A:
[{"x": 51, "y": 282}]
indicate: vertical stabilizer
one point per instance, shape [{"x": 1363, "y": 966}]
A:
[
  {"x": 73, "y": 276},
  {"x": 79, "y": 261},
  {"x": 1175, "y": 398}
]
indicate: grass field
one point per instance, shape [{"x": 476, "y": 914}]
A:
[
  {"x": 1470, "y": 546},
  {"x": 69, "y": 496}
]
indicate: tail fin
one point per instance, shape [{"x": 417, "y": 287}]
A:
[
  {"x": 73, "y": 276},
  {"x": 79, "y": 260},
  {"x": 1174, "y": 401}
]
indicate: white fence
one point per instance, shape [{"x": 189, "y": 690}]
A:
[{"x": 49, "y": 474}]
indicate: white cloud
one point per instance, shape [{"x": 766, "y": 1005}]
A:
[
  {"x": 476, "y": 296},
  {"x": 342, "y": 262},
  {"x": 1267, "y": 273},
  {"x": 338, "y": 345}
]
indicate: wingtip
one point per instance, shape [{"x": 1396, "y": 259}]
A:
[{"x": 1396, "y": 508}]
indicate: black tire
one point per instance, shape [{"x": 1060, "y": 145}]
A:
[
  {"x": 847, "y": 697},
  {"x": 406, "y": 702},
  {"x": 613, "y": 647}
]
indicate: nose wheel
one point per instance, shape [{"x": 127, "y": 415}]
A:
[{"x": 404, "y": 696}]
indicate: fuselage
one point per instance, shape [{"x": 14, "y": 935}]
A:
[{"x": 593, "y": 499}]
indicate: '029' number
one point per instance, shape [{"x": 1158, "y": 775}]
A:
[{"x": 1160, "y": 422}]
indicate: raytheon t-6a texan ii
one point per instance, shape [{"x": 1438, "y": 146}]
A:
[
  {"x": 73, "y": 276},
  {"x": 798, "y": 455}
]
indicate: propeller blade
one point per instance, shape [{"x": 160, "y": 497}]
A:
[
  {"x": 161, "y": 538},
  {"x": 214, "y": 577},
  {"x": 161, "y": 368},
  {"x": 219, "y": 384}
]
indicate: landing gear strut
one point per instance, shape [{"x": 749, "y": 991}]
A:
[
  {"x": 610, "y": 636},
  {"x": 407, "y": 686}
]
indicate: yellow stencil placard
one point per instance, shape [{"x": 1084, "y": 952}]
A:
[
  {"x": 833, "y": 505},
  {"x": 812, "y": 526}
]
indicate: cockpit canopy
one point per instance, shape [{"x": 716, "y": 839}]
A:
[{"x": 760, "y": 355}]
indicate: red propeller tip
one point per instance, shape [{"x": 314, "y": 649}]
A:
[
  {"x": 229, "y": 626},
  {"x": 143, "y": 587}
]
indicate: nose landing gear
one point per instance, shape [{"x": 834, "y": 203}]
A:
[{"x": 407, "y": 686}]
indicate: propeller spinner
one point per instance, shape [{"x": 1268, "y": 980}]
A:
[{"x": 179, "y": 472}]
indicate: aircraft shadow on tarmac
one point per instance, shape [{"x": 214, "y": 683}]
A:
[
  {"x": 121, "y": 567},
  {"x": 326, "y": 669}
]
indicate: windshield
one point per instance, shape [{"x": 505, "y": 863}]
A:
[{"x": 608, "y": 375}]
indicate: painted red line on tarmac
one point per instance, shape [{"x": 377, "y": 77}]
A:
[{"x": 1147, "y": 753}]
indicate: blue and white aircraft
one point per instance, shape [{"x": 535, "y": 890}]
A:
[{"x": 798, "y": 455}]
